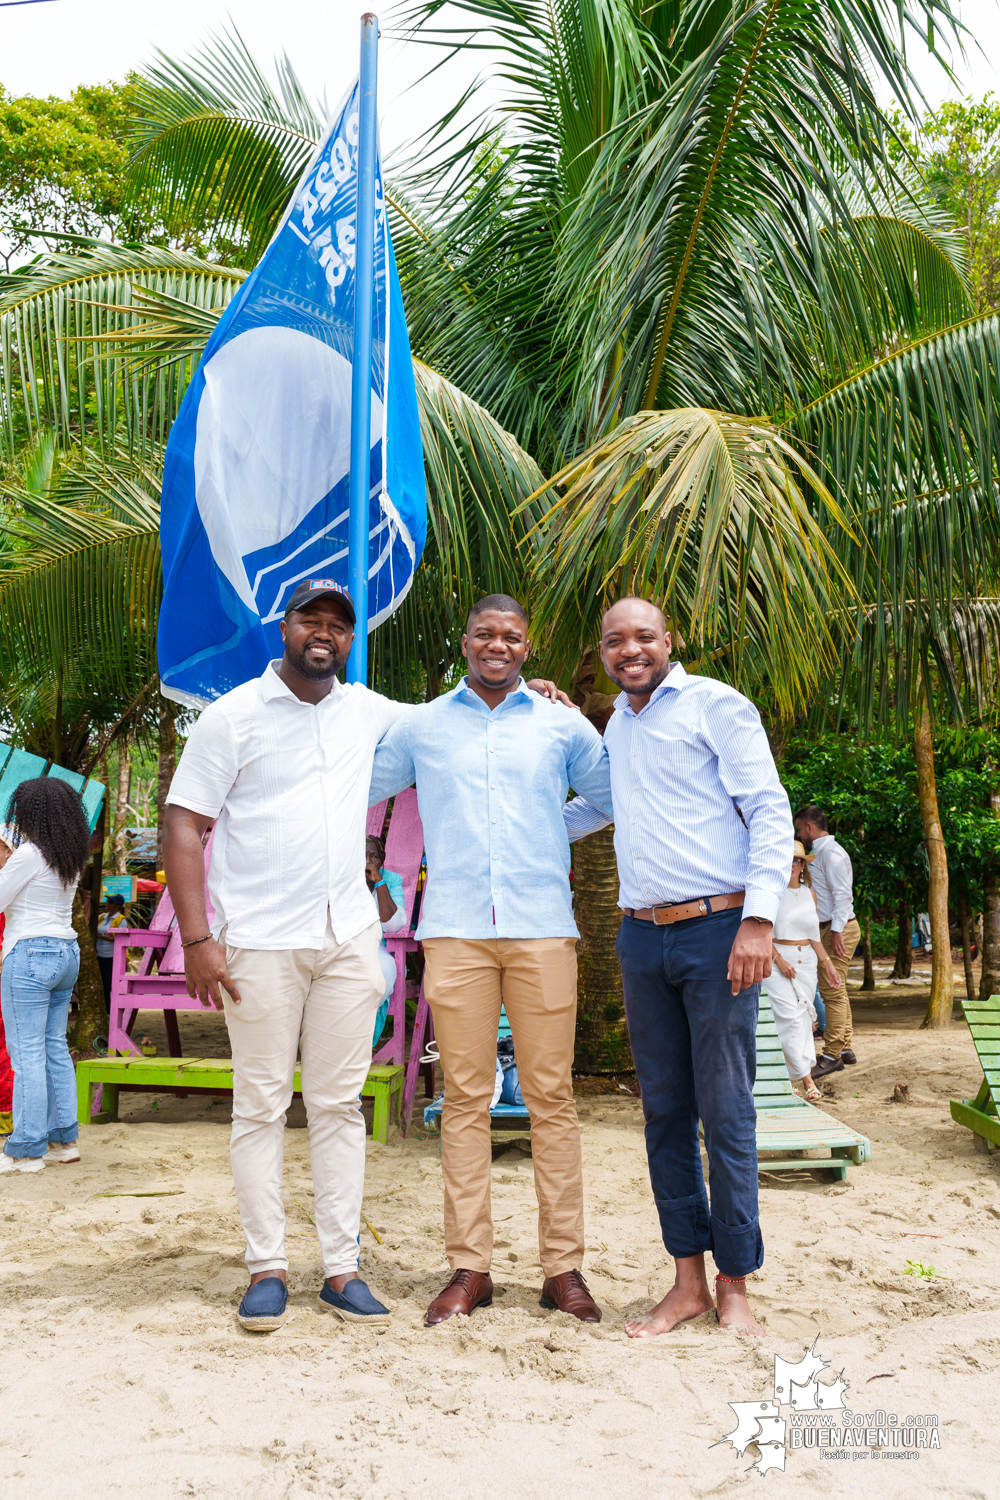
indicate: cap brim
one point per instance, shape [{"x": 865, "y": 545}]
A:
[{"x": 338, "y": 598}]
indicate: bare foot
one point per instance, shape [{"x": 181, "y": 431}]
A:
[
  {"x": 734, "y": 1310},
  {"x": 678, "y": 1306}
]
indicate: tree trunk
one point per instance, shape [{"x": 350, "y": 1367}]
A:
[
  {"x": 165, "y": 769},
  {"x": 942, "y": 978},
  {"x": 602, "y": 1044},
  {"x": 965, "y": 921},
  {"x": 903, "y": 966},
  {"x": 868, "y": 983},
  {"x": 122, "y": 794},
  {"x": 92, "y": 1017},
  {"x": 989, "y": 983}
]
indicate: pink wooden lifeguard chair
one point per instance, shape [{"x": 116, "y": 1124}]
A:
[
  {"x": 404, "y": 850},
  {"x": 165, "y": 990}
]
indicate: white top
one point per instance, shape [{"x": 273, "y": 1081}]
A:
[
  {"x": 699, "y": 809},
  {"x": 288, "y": 782},
  {"x": 797, "y": 921},
  {"x": 34, "y": 899},
  {"x": 833, "y": 881}
]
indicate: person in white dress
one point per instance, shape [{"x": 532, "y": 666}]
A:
[{"x": 797, "y": 950}]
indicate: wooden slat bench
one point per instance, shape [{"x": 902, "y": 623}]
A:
[
  {"x": 980, "y": 1114},
  {"x": 208, "y": 1075},
  {"x": 787, "y": 1123}
]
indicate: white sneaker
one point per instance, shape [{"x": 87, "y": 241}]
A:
[
  {"x": 21, "y": 1163},
  {"x": 63, "y": 1151}
]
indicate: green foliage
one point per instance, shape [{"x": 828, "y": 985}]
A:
[
  {"x": 957, "y": 153},
  {"x": 62, "y": 169},
  {"x": 868, "y": 790},
  {"x": 925, "y": 1273}
]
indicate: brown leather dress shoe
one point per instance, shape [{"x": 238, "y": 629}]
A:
[
  {"x": 465, "y": 1291},
  {"x": 569, "y": 1293}
]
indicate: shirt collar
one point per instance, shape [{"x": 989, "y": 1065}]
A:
[
  {"x": 463, "y": 690},
  {"x": 272, "y": 688},
  {"x": 675, "y": 679}
]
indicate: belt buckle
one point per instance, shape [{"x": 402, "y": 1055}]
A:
[{"x": 656, "y": 920}]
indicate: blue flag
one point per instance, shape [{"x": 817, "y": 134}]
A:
[{"x": 256, "y": 476}]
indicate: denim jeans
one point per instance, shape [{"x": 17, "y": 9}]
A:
[
  {"x": 694, "y": 1045},
  {"x": 37, "y": 983}
]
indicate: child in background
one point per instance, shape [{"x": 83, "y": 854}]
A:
[{"x": 386, "y": 887}]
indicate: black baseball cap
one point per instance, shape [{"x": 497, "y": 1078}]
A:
[{"x": 317, "y": 588}]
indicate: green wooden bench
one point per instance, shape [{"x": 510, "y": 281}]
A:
[
  {"x": 210, "y": 1075},
  {"x": 787, "y": 1123},
  {"x": 980, "y": 1114}
]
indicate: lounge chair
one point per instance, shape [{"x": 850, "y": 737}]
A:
[{"x": 980, "y": 1114}]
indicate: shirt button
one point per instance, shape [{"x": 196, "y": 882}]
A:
[
  {"x": 493, "y": 786},
  {"x": 495, "y": 856},
  {"x": 494, "y": 820}
]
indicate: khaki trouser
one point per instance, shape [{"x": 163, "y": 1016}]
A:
[
  {"x": 465, "y": 981},
  {"x": 839, "y": 1031},
  {"x": 322, "y": 1003}
]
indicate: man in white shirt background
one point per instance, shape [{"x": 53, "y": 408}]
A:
[
  {"x": 284, "y": 763},
  {"x": 833, "y": 881}
]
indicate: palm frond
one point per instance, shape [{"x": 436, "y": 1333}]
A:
[
  {"x": 80, "y": 586},
  {"x": 70, "y": 327},
  {"x": 217, "y": 146},
  {"x": 707, "y": 513}
]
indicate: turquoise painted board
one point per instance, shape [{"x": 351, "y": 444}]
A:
[
  {"x": 21, "y": 766},
  {"x": 92, "y": 798},
  {"x": 72, "y": 778}
]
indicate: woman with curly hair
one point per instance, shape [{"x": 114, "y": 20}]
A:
[{"x": 41, "y": 960}]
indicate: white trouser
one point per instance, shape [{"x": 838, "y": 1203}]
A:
[
  {"x": 324, "y": 1002},
  {"x": 388, "y": 966},
  {"x": 792, "y": 1007}
]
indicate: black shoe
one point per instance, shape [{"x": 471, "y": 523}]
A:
[
  {"x": 827, "y": 1065},
  {"x": 847, "y": 1056}
]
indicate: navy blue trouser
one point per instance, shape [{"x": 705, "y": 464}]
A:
[{"x": 695, "y": 1055}]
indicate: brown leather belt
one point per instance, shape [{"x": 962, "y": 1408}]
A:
[
  {"x": 683, "y": 911},
  {"x": 791, "y": 942}
]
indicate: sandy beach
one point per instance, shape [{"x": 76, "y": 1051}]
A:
[{"x": 124, "y": 1370}]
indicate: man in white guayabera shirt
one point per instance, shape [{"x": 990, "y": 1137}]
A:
[
  {"x": 833, "y": 882},
  {"x": 284, "y": 763}
]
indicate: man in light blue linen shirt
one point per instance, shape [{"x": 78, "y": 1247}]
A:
[
  {"x": 703, "y": 837},
  {"x": 492, "y": 763}
]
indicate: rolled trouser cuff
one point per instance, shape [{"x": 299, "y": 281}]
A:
[
  {"x": 737, "y": 1249},
  {"x": 685, "y": 1224}
]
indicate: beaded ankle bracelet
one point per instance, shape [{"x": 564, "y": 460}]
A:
[{"x": 731, "y": 1280}]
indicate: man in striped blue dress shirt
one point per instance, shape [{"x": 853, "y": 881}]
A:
[{"x": 703, "y": 837}]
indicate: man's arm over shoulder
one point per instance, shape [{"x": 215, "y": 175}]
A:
[
  {"x": 209, "y": 764},
  {"x": 732, "y": 728},
  {"x": 386, "y": 711},
  {"x": 393, "y": 767}
]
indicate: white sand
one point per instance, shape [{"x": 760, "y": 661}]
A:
[{"x": 124, "y": 1371}]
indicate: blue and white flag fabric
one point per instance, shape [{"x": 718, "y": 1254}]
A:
[{"x": 256, "y": 477}]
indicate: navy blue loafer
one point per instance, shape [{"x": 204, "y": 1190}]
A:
[
  {"x": 355, "y": 1304},
  {"x": 263, "y": 1306}
]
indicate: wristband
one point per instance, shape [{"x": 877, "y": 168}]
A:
[
  {"x": 194, "y": 941},
  {"x": 377, "y": 884}
]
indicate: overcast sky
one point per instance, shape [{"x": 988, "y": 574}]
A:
[{"x": 50, "y": 48}]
